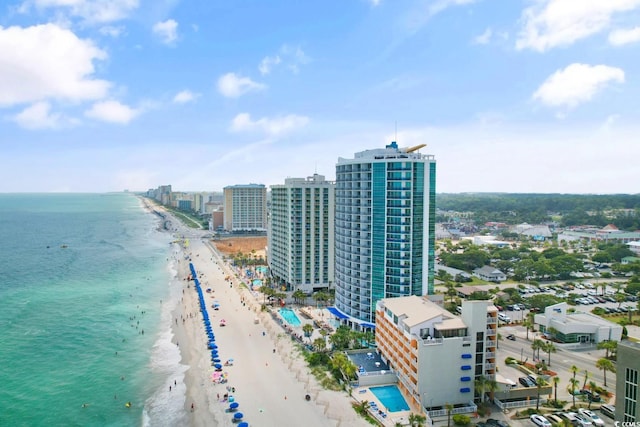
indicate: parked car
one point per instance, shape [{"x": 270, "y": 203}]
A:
[
  {"x": 524, "y": 381},
  {"x": 553, "y": 418},
  {"x": 591, "y": 396},
  {"x": 511, "y": 337},
  {"x": 583, "y": 421},
  {"x": 539, "y": 420},
  {"x": 591, "y": 416},
  {"x": 497, "y": 423},
  {"x": 608, "y": 410}
]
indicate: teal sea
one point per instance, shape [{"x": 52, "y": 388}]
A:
[{"x": 86, "y": 293}]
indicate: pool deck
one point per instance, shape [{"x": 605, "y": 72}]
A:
[{"x": 364, "y": 393}]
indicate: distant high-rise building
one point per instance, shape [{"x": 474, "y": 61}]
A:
[
  {"x": 301, "y": 228},
  {"x": 245, "y": 208},
  {"x": 385, "y": 229},
  {"x": 628, "y": 382}
]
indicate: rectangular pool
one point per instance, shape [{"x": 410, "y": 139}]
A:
[
  {"x": 390, "y": 397},
  {"x": 290, "y": 316}
]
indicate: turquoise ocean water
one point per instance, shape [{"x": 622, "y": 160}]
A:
[{"x": 83, "y": 276}]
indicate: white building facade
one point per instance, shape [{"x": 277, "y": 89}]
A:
[
  {"x": 437, "y": 355},
  {"x": 301, "y": 233},
  {"x": 245, "y": 208}
]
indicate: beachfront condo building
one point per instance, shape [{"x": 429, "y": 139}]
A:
[
  {"x": 628, "y": 382},
  {"x": 301, "y": 233},
  {"x": 385, "y": 230},
  {"x": 245, "y": 208},
  {"x": 436, "y": 355}
]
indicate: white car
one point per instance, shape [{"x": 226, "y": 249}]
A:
[
  {"x": 591, "y": 416},
  {"x": 583, "y": 421},
  {"x": 539, "y": 420}
]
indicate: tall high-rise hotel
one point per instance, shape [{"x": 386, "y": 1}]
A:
[
  {"x": 384, "y": 229},
  {"x": 301, "y": 249}
]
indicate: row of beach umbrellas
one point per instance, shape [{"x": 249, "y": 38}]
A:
[{"x": 211, "y": 344}]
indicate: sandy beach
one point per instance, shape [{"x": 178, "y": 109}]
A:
[{"x": 270, "y": 386}]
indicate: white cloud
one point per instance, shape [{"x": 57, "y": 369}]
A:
[
  {"x": 375, "y": 2},
  {"x": 46, "y": 61},
  {"x": 267, "y": 63},
  {"x": 232, "y": 85},
  {"x": 552, "y": 23},
  {"x": 291, "y": 57},
  {"x": 620, "y": 37},
  {"x": 112, "y": 112},
  {"x": 271, "y": 126},
  {"x": 167, "y": 31},
  {"x": 440, "y": 5},
  {"x": 185, "y": 96},
  {"x": 112, "y": 31},
  {"x": 576, "y": 84},
  {"x": 483, "y": 38},
  {"x": 38, "y": 116},
  {"x": 94, "y": 11}
]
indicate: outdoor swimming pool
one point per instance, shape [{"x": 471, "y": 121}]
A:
[
  {"x": 390, "y": 397},
  {"x": 290, "y": 316}
]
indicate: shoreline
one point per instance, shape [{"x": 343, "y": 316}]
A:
[{"x": 270, "y": 378}]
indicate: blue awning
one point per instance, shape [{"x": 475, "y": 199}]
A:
[
  {"x": 368, "y": 325},
  {"x": 340, "y": 315}
]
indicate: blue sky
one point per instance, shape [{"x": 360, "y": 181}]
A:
[{"x": 509, "y": 95}]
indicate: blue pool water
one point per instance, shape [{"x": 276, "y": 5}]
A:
[
  {"x": 390, "y": 397},
  {"x": 289, "y": 315}
]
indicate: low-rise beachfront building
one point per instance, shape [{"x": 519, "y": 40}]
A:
[
  {"x": 577, "y": 327},
  {"x": 435, "y": 354},
  {"x": 301, "y": 233}
]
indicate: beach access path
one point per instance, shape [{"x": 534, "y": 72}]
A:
[{"x": 270, "y": 387}]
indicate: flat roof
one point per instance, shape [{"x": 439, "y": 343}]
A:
[
  {"x": 415, "y": 309},
  {"x": 582, "y": 317}
]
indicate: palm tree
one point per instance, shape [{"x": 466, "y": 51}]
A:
[
  {"x": 587, "y": 375},
  {"x": 536, "y": 345},
  {"x": 573, "y": 384},
  {"x": 592, "y": 387},
  {"x": 556, "y": 381},
  {"x": 540, "y": 382},
  {"x": 479, "y": 384},
  {"x": 605, "y": 365},
  {"x": 416, "y": 420},
  {"x": 307, "y": 329},
  {"x": 549, "y": 348},
  {"x": 449, "y": 408},
  {"x": 299, "y": 296}
]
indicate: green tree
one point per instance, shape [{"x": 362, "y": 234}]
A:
[
  {"x": 548, "y": 347},
  {"x": 556, "y": 381},
  {"x": 536, "y": 346},
  {"x": 540, "y": 382},
  {"x": 299, "y": 296},
  {"x": 587, "y": 375},
  {"x": 449, "y": 408},
  {"x": 605, "y": 365},
  {"x": 416, "y": 420},
  {"x": 307, "y": 329},
  {"x": 573, "y": 385}
]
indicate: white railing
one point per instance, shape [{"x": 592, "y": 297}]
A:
[
  {"x": 460, "y": 410},
  {"x": 517, "y": 403}
]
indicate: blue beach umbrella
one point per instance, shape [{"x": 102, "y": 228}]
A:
[
  {"x": 234, "y": 405},
  {"x": 218, "y": 366},
  {"x": 216, "y": 360},
  {"x": 238, "y": 415},
  {"x": 243, "y": 424}
]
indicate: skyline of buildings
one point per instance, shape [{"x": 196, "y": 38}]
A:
[{"x": 245, "y": 208}]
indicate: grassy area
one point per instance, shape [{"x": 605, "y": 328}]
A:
[{"x": 188, "y": 220}]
